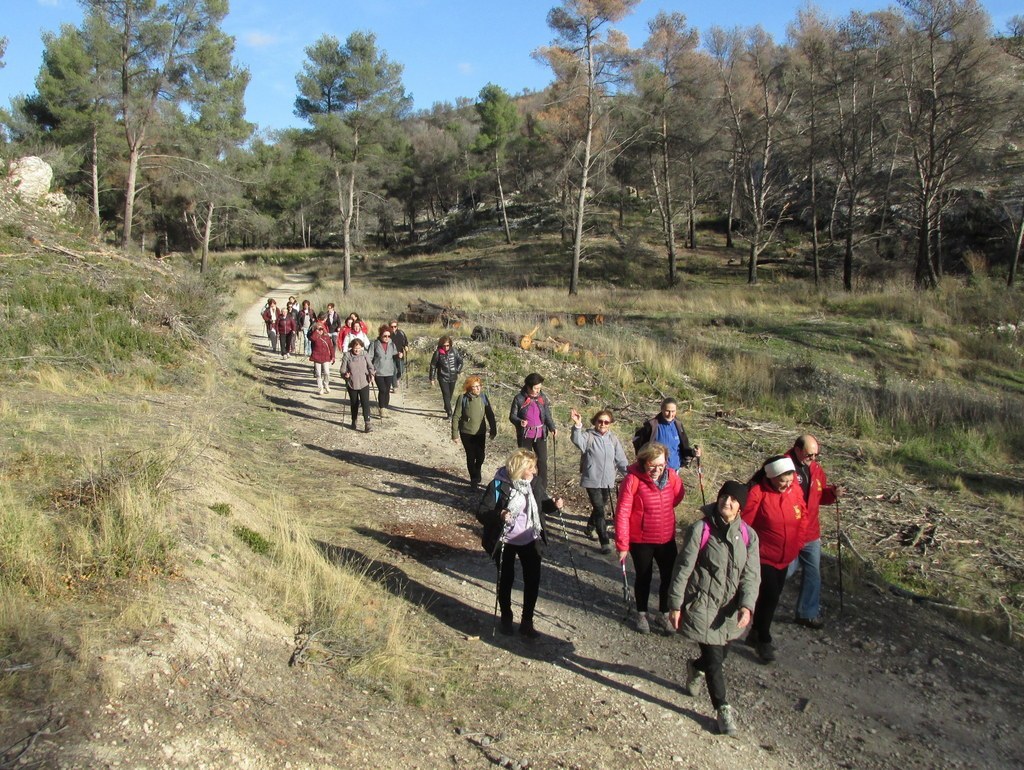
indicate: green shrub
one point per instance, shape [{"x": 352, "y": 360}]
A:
[{"x": 256, "y": 542}]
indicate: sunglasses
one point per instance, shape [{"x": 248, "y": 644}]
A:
[
  {"x": 602, "y": 422},
  {"x": 660, "y": 467},
  {"x": 385, "y": 336}
]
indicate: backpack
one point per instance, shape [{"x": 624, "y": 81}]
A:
[
  {"x": 638, "y": 440},
  {"x": 488, "y": 512},
  {"x": 706, "y": 534}
]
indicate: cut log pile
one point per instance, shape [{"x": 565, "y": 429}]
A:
[
  {"x": 528, "y": 341},
  {"x": 575, "y": 319},
  {"x": 423, "y": 312}
]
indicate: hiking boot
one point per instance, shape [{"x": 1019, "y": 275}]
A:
[
  {"x": 353, "y": 423},
  {"x": 693, "y": 679},
  {"x": 606, "y": 549},
  {"x": 766, "y": 651},
  {"x": 642, "y": 624},
  {"x": 751, "y": 640},
  {"x": 726, "y": 720},
  {"x": 815, "y": 623},
  {"x": 366, "y": 427},
  {"x": 591, "y": 532},
  {"x": 665, "y": 622},
  {"x": 507, "y": 626},
  {"x": 527, "y": 630}
]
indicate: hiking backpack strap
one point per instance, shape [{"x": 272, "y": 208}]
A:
[{"x": 705, "y": 535}]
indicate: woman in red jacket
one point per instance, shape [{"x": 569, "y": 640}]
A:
[
  {"x": 775, "y": 510},
  {"x": 322, "y": 354},
  {"x": 645, "y": 527}
]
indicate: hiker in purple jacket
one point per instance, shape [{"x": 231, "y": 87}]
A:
[{"x": 531, "y": 415}]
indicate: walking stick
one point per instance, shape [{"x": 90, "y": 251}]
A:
[
  {"x": 700, "y": 478},
  {"x": 839, "y": 549},
  {"x": 627, "y": 595},
  {"x": 554, "y": 460},
  {"x": 499, "y": 549},
  {"x": 376, "y": 395},
  {"x": 572, "y": 561}
]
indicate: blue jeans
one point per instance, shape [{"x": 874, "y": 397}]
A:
[{"x": 809, "y": 560}]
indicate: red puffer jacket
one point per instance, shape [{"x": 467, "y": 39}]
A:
[
  {"x": 646, "y": 514},
  {"x": 821, "y": 494},
  {"x": 778, "y": 518},
  {"x": 323, "y": 348}
]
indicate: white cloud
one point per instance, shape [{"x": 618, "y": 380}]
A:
[
  {"x": 258, "y": 39},
  {"x": 465, "y": 68}
]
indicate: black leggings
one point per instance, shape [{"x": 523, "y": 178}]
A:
[
  {"x": 599, "y": 499},
  {"x": 357, "y": 397},
  {"x": 447, "y": 388},
  {"x": 383, "y": 390},
  {"x": 539, "y": 446},
  {"x": 644, "y": 556},
  {"x": 475, "y": 446},
  {"x": 712, "y": 663},
  {"x": 529, "y": 557},
  {"x": 773, "y": 580}
]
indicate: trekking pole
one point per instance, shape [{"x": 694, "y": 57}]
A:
[
  {"x": 700, "y": 478},
  {"x": 554, "y": 461},
  {"x": 376, "y": 395},
  {"x": 499, "y": 550},
  {"x": 627, "y": 595},
  {"x": 572, "y": 561},
  {"x": 839, "y": 553}
]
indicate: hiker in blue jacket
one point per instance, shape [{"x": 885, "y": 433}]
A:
[
  {"x": 531, "y": 415},
  {"x": 714, "y": 588},
  {"x": 603, "y": 455},
  {"x": 472, "y": 416}
]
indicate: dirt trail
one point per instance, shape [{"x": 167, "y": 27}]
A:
[{"x": 887, "y": 683}]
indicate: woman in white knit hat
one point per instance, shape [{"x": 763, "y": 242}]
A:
[{"x": 775, "y": 510}]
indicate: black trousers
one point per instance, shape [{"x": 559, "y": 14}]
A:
[
  {"x": 539, "y": 446},
  {"x": 475, "y": 446},
  {"x": 772, "y": 582},
  {"x": 645, "y": 555},
  {"x": 599, "y": 499},
  {"x": 357, "y": 397},
  {"x": 447, "y": 388},
  {"x": 712, "y": 663},
  {"x": 529, "y": 557},
  {"x": 383, "y": 390}
]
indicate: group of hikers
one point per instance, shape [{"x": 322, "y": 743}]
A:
[{"x": 728, "y": 575}]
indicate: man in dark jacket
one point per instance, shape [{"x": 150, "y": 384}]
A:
[
  {"x": 817, "y": 492},
  {"x": 401, "y": 343},
  {"x": 666, "y": 428}
]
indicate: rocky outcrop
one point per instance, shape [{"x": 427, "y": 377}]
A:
[{"x": 30, "y": 177}]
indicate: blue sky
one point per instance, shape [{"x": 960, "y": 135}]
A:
[{"x": 449, "y": 48}]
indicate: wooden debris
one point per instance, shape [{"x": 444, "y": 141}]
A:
[{"x": 424, "y": 312}]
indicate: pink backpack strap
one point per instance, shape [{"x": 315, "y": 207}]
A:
[{"x": 705, "y": 535}]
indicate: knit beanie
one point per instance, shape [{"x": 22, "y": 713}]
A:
[{"x": 735, "y": 490}]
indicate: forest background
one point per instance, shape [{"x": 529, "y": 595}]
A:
[{"x": 877, "y": 144}]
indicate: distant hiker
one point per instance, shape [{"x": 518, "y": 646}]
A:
[
  {"x": 603, "y": 455},
  {"x": 401, "y": 343},
  {"x": 358, "y": 371},
  {"x": 512, "y": 511},
  {"x": 713, "y": 590},
  {"x": 817, "y": 492},
  {"x": 270, "y": 315},
  {"x": 292, "y": 309},
  {"x": 384, "y": 355},
  {"x": 363, "y": 327},
  {"x": 667, "y": 429},
  {"x": 286, "y": 333},
  {"x": 530, "y": 413},
  {"x": 333, "y": 321},
  {"x": 472, "y": 416},
  {"x": 445, "y": 367},
  {"x": 304, "y": 325},
  {"x": 322, "y": 354},
  {"x": 352, "y": 330},
  {"x": 645, "y": 527},
  {"x": 775, "y": 510}
]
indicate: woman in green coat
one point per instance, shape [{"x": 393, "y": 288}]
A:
[{"x": 713, "y": 591}]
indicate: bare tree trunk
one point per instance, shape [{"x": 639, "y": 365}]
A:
[
  {"x": 501, "y": 200},
  {"x": 732, "y": 203},
  {"x": 1012, "y": 275},
  {"x": 204, "y": 262},
  {"x": 129, "y": 196},
  {"x": 95, "y": 183}
]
